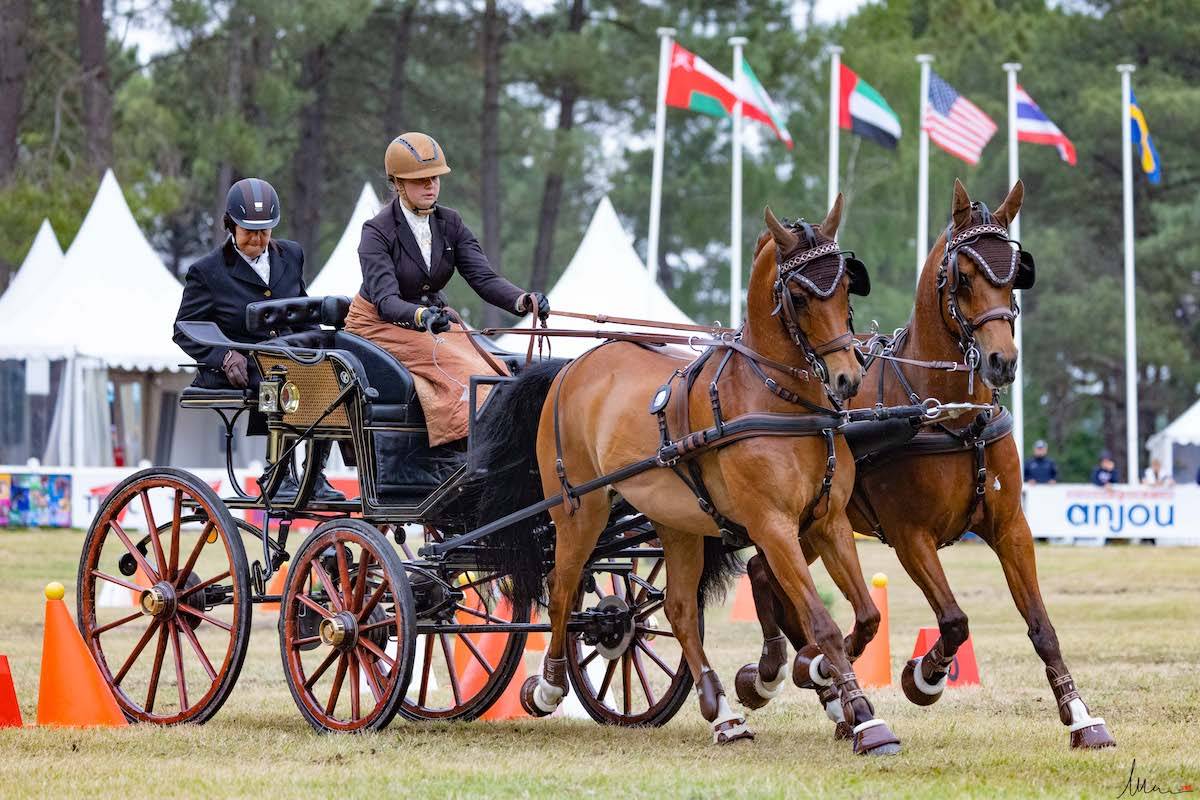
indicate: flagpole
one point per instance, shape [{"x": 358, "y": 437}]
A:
[
  {"x": 660, "y": 130},
  {"x": 1131, "y": 400},
  {"x": 1014, "y": 229},
  {"x": 735, "y": 211},
  {"x": 835, "y": 92},
  {"x": 924, "y": 59}
]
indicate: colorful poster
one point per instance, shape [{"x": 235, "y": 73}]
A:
[
  {"x": 59, "y": 496},
  {"x": 31, "y": 501},
  {"x": 5, "y": 498}
]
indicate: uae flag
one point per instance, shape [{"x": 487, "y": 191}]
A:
[
  {"x": 863, "y": 111},
  {"x": 693, "y": 84}
]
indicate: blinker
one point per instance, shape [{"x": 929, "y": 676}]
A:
[
  {"x": 1026, "y": 274},
  {"x": 660, "y": 399}
]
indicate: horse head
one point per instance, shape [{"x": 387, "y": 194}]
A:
[
  {"x": 977, "y": 268},
  {"x": 799, "y": 298}
]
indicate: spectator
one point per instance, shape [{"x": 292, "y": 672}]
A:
[
  {"x": 1040, "y": 468},
  {"x": 1154, "y": 475},
  {"x": 1105, "y": 472}
]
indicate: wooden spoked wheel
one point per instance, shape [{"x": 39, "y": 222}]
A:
[
  {"x": 163, "y": 597},
  {"x": 460, "y": 675},
  {"x": 346, "y": 628},
  {"x": 637, "y": 674}
]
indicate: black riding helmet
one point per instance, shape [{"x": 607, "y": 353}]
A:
[{"x": 251, "y": 204}]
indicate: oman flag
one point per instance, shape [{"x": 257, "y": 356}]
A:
[
  {"x": 863, "y": 111},
  {"x": 694, "y": 84}
]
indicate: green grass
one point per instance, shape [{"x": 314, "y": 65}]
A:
[{"x": 1126, "y": 618}]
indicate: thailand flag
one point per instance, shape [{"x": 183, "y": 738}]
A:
[{"x": 1034, "y": 126}]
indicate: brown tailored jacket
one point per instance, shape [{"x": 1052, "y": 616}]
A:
[{"x": 395, "y": 279}]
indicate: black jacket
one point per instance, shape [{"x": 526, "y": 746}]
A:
[
  {"x": 395, "y": 278},
  {"x": 218, "y": 288}
]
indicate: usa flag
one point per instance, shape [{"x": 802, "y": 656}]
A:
[
  {"x": 1034, "y": 126},
  {"x": 954, "y": 123}
]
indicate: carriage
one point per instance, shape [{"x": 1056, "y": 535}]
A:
[{"x": 387, "y": 606}]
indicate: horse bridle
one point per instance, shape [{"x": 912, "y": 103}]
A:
[
  {"x": 1019, "y": 273},
  {"x": 790, "y": 270}
]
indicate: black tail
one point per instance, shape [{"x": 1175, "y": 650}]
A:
[
  {"x": 721, "y": 567},
  {"x": 504, "y": 458}
]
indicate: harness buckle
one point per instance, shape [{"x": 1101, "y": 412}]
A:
[{"x": 705, "y": 506}]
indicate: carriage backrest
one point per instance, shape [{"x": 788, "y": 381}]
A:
[{"x": 293, "y": 312}]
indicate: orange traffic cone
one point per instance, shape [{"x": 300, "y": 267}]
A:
[
  {"x": 874, "y": 666},
  {"x": 963, "y": 669},
  {"x": 278, "y": 581},
  {"x": 492, "y": 647},
  {"x": 743, "y": 602},
  {"x": 536, "y": 641},
  {"x": 72, "y": 691},
  {"x": 10, "y": 711}
]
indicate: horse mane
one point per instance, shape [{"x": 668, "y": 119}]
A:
[{"x": 763, "y": 238}]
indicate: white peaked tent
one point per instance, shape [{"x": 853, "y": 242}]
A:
[
  {"x": 1177, "y": 446},
  {"x": 38, "y": 270},
  {"x": 605, "y": 276},
  {"x": 341, "y": 273},
  {"x": 112, "y": 300},
  {"x": 110, "y": 306}
]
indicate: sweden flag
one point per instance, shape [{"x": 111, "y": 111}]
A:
[{"x": 1142, "y": 143}]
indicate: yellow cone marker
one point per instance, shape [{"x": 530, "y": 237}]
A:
[
  {"x": 55, "y": 590},
  {"x": 879, "y": 580}
]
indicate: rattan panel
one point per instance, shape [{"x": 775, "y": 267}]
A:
[{"x": 318, "y": 387}]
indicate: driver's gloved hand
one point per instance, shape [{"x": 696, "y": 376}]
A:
[
  {"x": 433, "y": 319},
  {"x": 236, "y": 369}
]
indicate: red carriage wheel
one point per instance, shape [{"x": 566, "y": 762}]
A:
[
  {"x": 634, "y": 674},
  {"x": 459, "y": 676},
  {"x": 163, "y": 597},
  {"x": 347, "y": 628}
]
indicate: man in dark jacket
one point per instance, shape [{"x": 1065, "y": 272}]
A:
[
  {"x": 250, "y": 266},
  {"x": 1041, "y": 468},
  {"x": 1105, "y": 472}
]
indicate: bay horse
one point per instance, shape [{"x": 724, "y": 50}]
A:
[
  {"x": 926, "y": 497},
  {"x": 592, "y": 420}
]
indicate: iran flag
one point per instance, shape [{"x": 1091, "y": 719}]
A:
[{"x": 695, "y": 85}]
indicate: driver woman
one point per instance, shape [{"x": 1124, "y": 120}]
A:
[{"x": 408, "y": 253}]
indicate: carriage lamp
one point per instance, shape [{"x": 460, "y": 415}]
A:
[
  {"x": 268, "y": 396},
  {"x": 289, "y": 398}
]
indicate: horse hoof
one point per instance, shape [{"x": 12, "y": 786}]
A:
[
  {"x": 914, "y": 693},
  {"x": 842, "y": 731},
  {"x": 875, "y": 738},
  {"x": 527, "y": 702},
  {"x": 734, "y": 730},
  {"x": 1093, "y": 737},
  {"x": 747, "y": 692},
  {"x": 806, "y": 672}
]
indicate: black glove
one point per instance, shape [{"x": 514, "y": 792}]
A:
[
  {"x": 433, "y": 320},
  {"x": 236, "y": 369},
  {"x": 532, "y": 301}
]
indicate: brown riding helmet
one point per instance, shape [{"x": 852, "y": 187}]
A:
[{"x": 415, "y": 155}]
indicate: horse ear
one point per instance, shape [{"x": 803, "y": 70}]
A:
[
  {"x": 833, "y": 219},
  {"x": 962, "y": 205},
  {"x": 785, "y": 240},
  {"x": 1011, "y": 206}
]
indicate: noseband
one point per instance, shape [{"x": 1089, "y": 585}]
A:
[
  {"x": 1018, "y": 272},
  {"x": 822, "y": 283}
]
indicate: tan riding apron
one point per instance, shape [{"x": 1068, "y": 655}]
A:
[{"x": 441, "y": 367}]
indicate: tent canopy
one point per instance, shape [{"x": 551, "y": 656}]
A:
[
  {"x": 41, "y": 264},
  {"x": 341, "y": 273},
  {"x": 112, "y": 299},
  {"x": 1182, "y": 432},
  {"x": 605, "y": 276}
]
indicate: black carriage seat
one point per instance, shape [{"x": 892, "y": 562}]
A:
[
  {"x": 407, "y": 470},
  {"x": 396, "y": 402}
]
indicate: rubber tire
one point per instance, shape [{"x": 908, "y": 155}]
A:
[
  {"x": 239, "y": 573},
  {"x": 405, "y": 648}
]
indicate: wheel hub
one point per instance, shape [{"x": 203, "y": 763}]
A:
[
  {"x": 159, "y": 600},
  {"x": 617, "y": 629},
  {"x": 340, "y": 630}
]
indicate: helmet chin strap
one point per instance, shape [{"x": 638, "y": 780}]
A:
[{"x": 413, "y": 207}]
